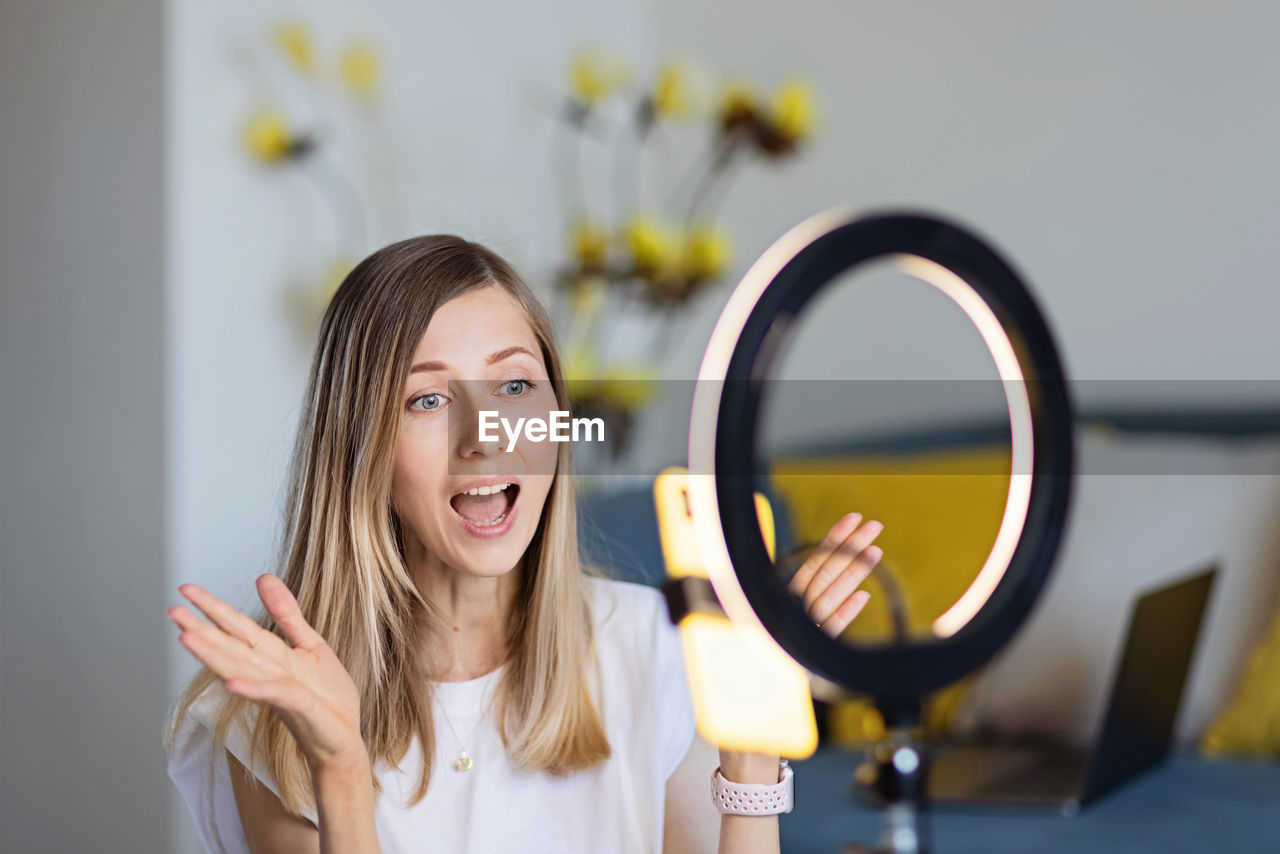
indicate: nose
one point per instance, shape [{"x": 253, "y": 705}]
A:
[{"x": 464, "y": 422}]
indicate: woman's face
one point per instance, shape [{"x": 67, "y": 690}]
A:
[{"x": 478, "y": 353}]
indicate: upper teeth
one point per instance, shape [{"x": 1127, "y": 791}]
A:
[{"x": 487, "y": 490}]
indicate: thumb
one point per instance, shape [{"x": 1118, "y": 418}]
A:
[{"x": 285, "y": 611}]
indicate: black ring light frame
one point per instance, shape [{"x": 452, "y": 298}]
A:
[{"x": 744, "y": 350}]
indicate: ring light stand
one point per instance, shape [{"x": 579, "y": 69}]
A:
[{"x": 743, "y": 352}]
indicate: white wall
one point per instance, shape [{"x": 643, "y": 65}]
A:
[
  {"x": 82, "y": 630},
  {"x": 1120, "y": 155}
]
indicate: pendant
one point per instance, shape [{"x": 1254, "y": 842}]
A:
[{"x": 463, "y": 762}]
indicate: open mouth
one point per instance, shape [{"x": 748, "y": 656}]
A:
[{"x": 486, "y": 506}]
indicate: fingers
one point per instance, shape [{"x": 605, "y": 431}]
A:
[
  {"x": 842, "y": 586},
  {"x": 839, "y": 531},
  {"x": 844, "y": 555},
  {"x": 834, "y": 625},
  {"x": 231, "y": 658},
  {"x": 828, "y": 580},
  {"x": 224, "y": 655},
  {"x": 238, "y": 676},
  {"x": 224, "y": 616},
  {"x": 284, "y": 609},
  {"x": 835, "y": 559}
]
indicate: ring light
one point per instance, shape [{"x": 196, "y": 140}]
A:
[{"x": 743, "y": 352}]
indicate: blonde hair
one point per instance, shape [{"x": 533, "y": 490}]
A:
[{"x": 342, "y": 551}]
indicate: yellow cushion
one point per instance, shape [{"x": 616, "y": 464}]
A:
[
  {"x": 963, "y": 510},
  {"x": 1249, "y": 727},
  {"x": 960, "y": 493},
  {"x": 854, "y": 722}
]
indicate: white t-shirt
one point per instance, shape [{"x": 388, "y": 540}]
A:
[{"x": 493, "y": 808}]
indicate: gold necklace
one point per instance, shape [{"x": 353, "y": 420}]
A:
[{"x": 464, "y": 762}]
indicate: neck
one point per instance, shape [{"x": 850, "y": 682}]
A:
[{"x": 475, "y": 611}]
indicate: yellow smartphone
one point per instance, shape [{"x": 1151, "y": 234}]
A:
[{"x": 741, "y": 702}]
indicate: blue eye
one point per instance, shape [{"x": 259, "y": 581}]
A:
[
  {"x": 438, "y": 399},
  {"x": 521, "y": 385}
]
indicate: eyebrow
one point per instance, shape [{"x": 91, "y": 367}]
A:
[{"x": 494, "y": 358}]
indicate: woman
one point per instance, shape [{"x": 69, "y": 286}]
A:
[{"x": 435, "y": 669}]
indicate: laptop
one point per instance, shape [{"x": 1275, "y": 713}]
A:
[{"x": 1137, "y": 729}]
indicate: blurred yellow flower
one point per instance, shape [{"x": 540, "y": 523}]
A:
[
  {"x": 596, "y": 74},
  {"x": 680, "y": 90},
  {"x": 267, "y": 137},
  {"x": 629, "y": 386},
  {"x": 588, "y": 243},
  {"x": 654, "y": 250},
  {"x": 586, "y": 296},
  {"x": 706, "y": 253},
  {"x": 671, "y": 91},
  {"x": 360, "y": 67},
  {"x": 581, "y": 372},
  {"x": 793, "y": 114},
  {"x": 739, "y": 104},
  {"x": 292, "y": 38}
]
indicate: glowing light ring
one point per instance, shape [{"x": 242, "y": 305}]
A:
[
  {"x": 703, "y": 420},
  {"x": 1021, "y": 440}
]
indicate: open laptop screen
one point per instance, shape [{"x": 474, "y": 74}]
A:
[{"x": 1147, "y": 691}]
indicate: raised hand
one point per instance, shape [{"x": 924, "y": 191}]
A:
[
  {"x": 301, "y": 679},
  {"x": 828, "y": 579}
]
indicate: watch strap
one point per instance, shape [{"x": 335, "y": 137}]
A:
[{"x": 733, "y": 798}]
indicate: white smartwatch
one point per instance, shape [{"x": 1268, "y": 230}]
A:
[{"x": 754, "y": 798}]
